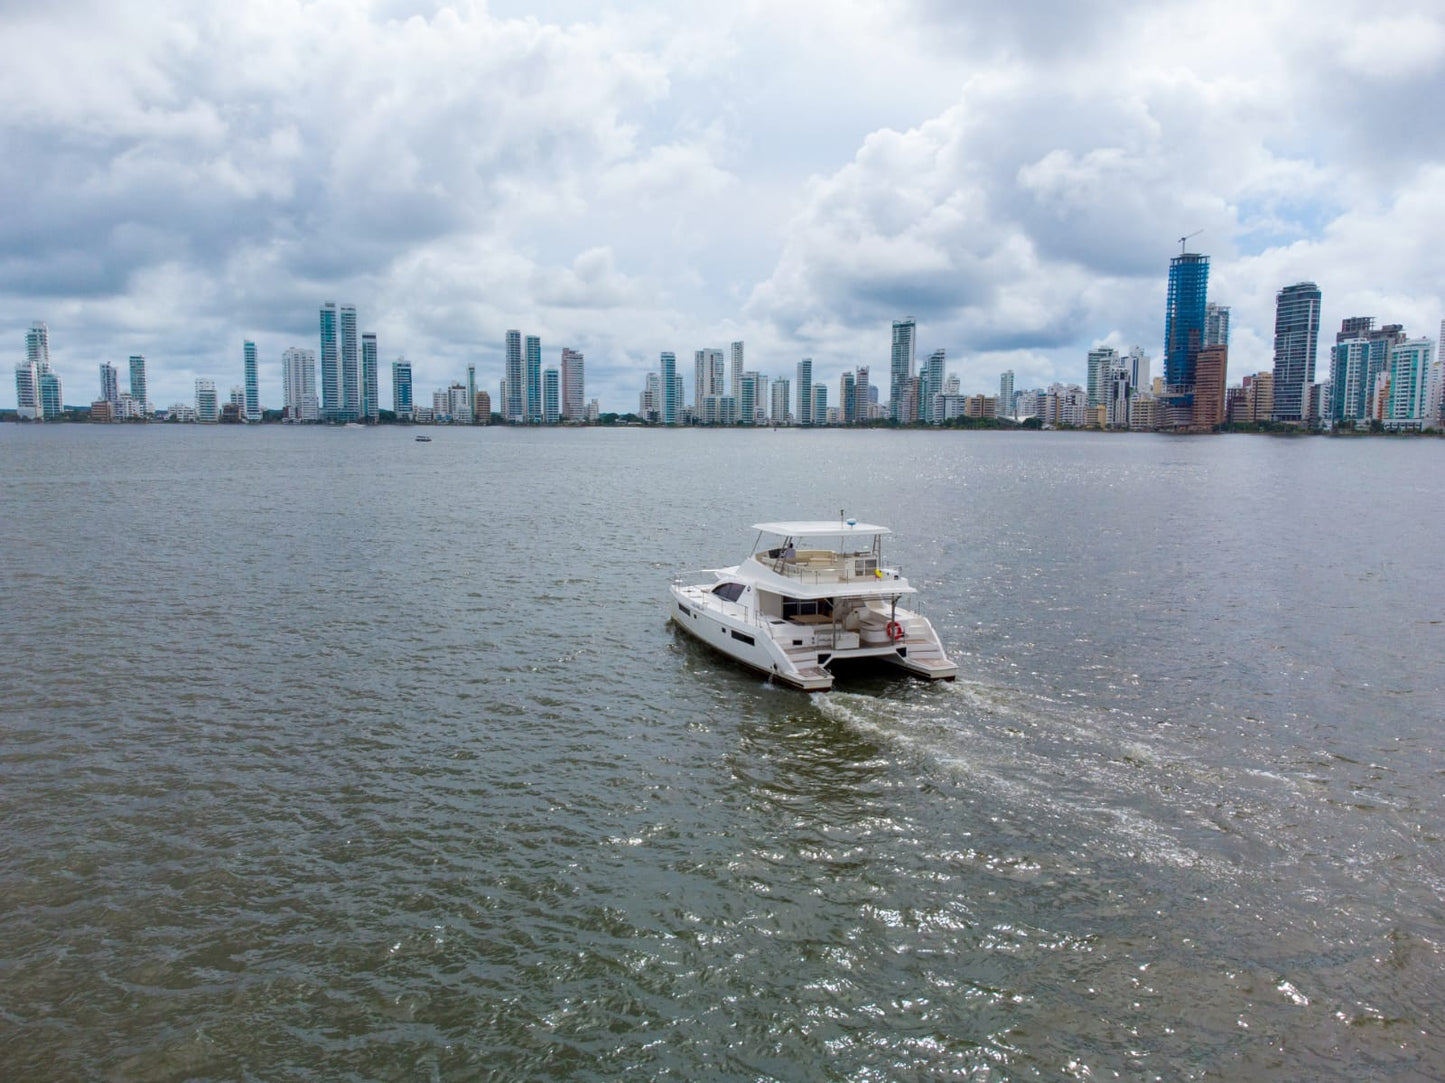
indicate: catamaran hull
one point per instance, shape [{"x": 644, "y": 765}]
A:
[{"x": 754, "y": 645}]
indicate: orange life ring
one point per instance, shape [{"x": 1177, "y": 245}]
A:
[{"x": 894, "y": 630}]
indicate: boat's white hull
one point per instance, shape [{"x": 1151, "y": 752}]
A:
[{"x": 801, "y": 655}]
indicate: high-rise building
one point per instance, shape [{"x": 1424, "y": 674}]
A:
[
  {"x": 805, "y": 391},
  {"x": 1183, "y": 335},
  {"x": 1410, "y": 363},
  {"x": 138, "y": 393},
  {"x": 331, "y": 404},
  {"x": 573, "y": 385},
  {"x": 1102, "y": 361},
  {"x": 37, "y": 388},
  {"x": 109, "y": 383},
  {"x": 514, "y": 400},
  {"x": 551, "y": 397},
  {"x": 350, "y": 365},
  {"x": 736, "y": 349},
  {"x": 649, "y": 401},
  {"x": 930, "y": 383},
  {"x": 748, "y": 396},
  {"x": 865, "y": 393},
  {"x": 1138, "y": 364},
  {"x": 1360, "y": 360},
  {"x": 671, "y": 407},
  {"x": 482, "y": 409},
  {"x": 1006, "y": 393},
  {"x": 472, "y": 391},
  {"x": 27, "y": 390},
  {"x": 709, "y": 377},
  {"x": 819, "y": 413},
  {"x": 402, "y": 403},
  {"x": 298, "y": 381},
  {"x": 252, "y": 393},
  {"x": 900, "y": 367},
  {"x": 370, "y": 378},
  {"x": 848, "y": 398},
  {"x": 1209, "y": 375},
  {"x": 781, "y": 388},
  {"x": 1216, "y": 324},
  {"x": 208, "y": 410},
  {"x": 1296, "y": 339},
  {"x": 534, "y": 380}
]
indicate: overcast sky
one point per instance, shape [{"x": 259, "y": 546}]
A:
[{"x": 635, "y": 177}]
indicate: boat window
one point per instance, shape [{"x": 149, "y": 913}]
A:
[
  {"x": 730, "y": 592},
  {"x": 795, "y": 607},
  {"x": 745, "y": 638}
]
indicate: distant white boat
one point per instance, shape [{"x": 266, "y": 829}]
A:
[
  {"x": 423, "y": 439},
  {"x": 794, "y": 610}
]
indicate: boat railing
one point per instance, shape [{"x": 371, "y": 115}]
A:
[{"x": 832, "y": 568}]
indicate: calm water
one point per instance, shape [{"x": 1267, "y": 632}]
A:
[{"x": 331, "y": 755}]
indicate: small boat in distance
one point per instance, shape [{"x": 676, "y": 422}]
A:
[
  {"x": 423, "y": 439},
  {"x": 793, "y": 610}
]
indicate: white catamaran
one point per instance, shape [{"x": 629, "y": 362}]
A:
[{"x": 819, "y": 596}]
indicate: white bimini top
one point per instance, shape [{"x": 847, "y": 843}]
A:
[{"x": 816, "y": 528}]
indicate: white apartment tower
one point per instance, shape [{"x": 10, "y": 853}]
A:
[
  {"x": 573, "y": 386},
  {"x": 298, "y": 380}
]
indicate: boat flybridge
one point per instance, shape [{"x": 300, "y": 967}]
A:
[{"x": 811, "y": 594}]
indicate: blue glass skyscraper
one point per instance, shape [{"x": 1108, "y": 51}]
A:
[{"x": 1184, "y": 331}]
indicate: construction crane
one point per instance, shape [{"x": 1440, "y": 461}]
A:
[{"x": 1186, "y": 237}]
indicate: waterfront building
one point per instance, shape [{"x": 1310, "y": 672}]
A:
[
  {"x": 1252, "y": 401},
  {"x": 534, "y": 380},
  {"x": 1410, "y": 363},
  {"x": 670, "y": 388},
  {"x": 513, "y": 398},
  {"x": 27, "y": 390},
  {"x": 37, "y": 388},
  {"x": 864, "y": 392},
  {"x": 1117, "y": 395},
  {"x": 736, "y": 351},
  {"x": 109, "y": 383},
  {"x": 1210, "y": 367},
  {"x": 370, "y": 393},
  {"x": 1184, "y": 335},
  {"x": 1138, "y": 364},
  {"x": 52, "y": 400},
  {"x": 250, "y": 393},
  {"x": 207, "y": 406},
  {"x": 805, "y": 391},
  {"x": 573, "y": 385},
  {"x": 551, "y": 396},
  {"x": 298, "y": 383},
  {"x": 900, "y": 366},
  {"x": 1103, "y": 360},
  {"x": 749, "y": 384},
  {"x": 848, "y": 399},
  {"x": 1006, "y": 392},
  {"x": 1216, "y": 324},
  {"x": 138, "y": 392},
  {"x": 649, "y": 401},
  {"x": 401, "y": 397},
  {"x": 819, "y": 413},
  {"x": 459, "y": 403},
  {"x": 707, "y": 377},
  {"x": 1358, "y": 363},
  {"x": 350, "y": 365},
  {"x": 779, "y": 413},
  {"x": 1296, "y": 339},
  {"x": 482, "y": 409},
  {"x": 930, "y": 383},
  {"x": 472, "y": 392},
  {"x": 330, "y": 362}
]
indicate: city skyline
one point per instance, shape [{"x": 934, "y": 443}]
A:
[{"x": 623, "y": 185}]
